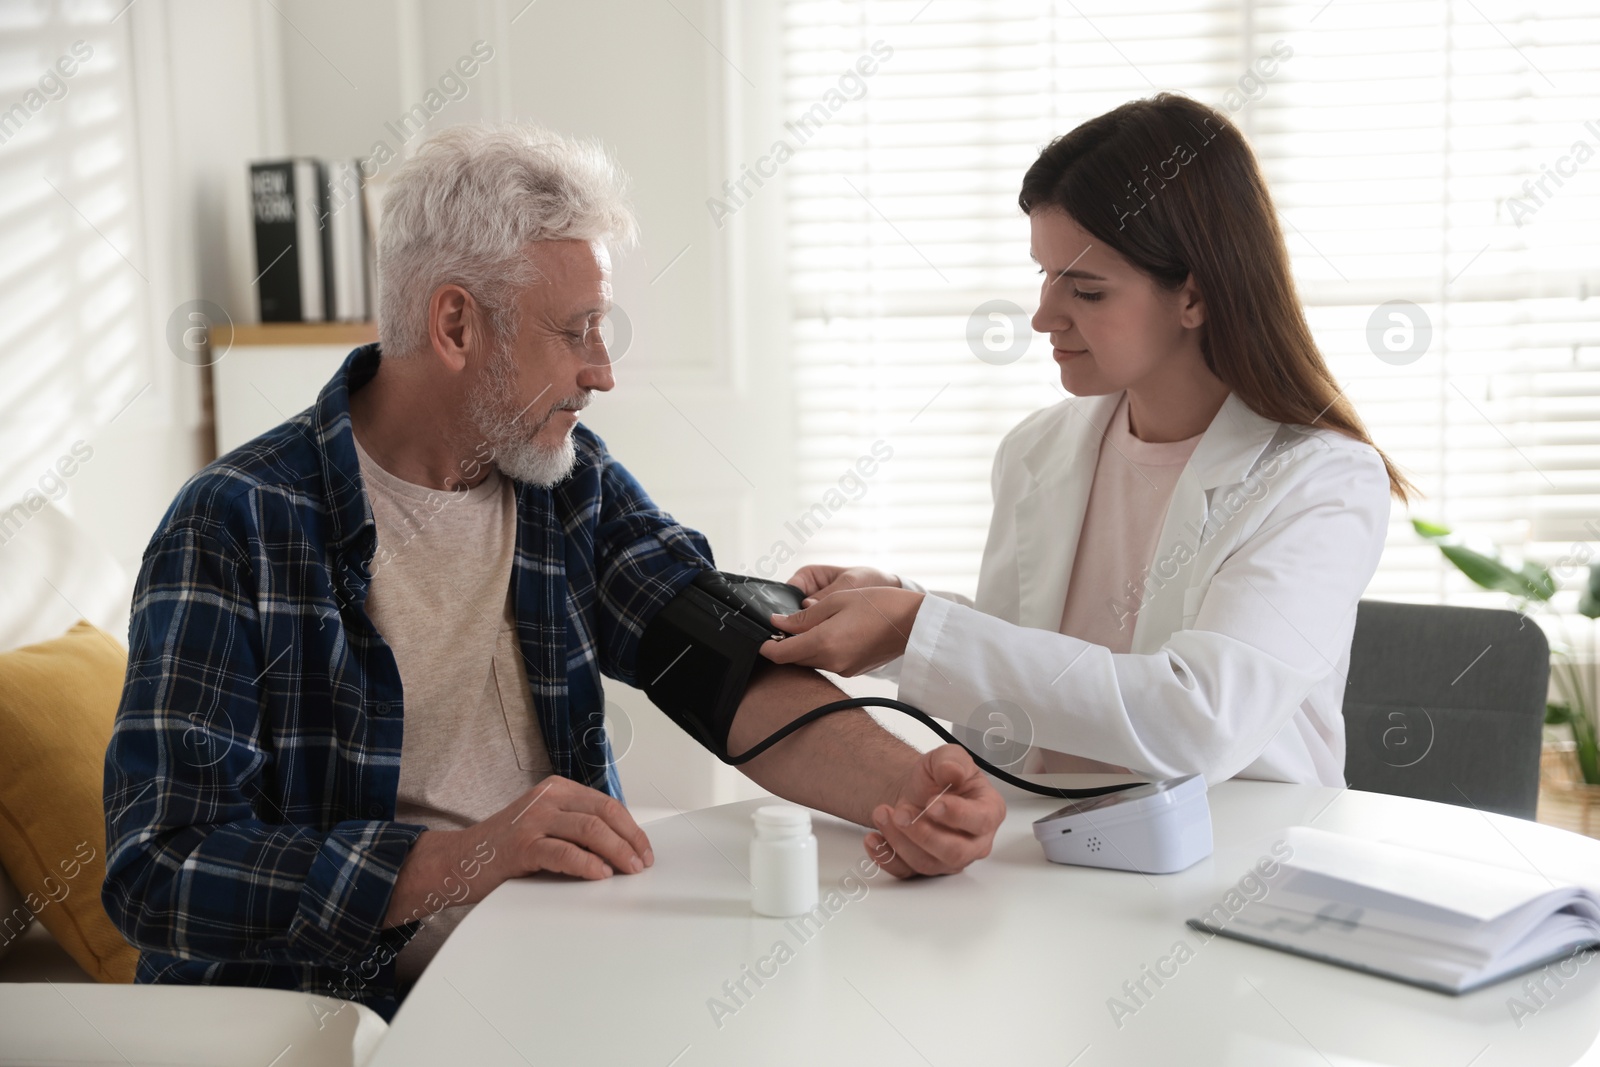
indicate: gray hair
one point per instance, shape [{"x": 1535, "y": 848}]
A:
[{"x": 463, "y": 210}]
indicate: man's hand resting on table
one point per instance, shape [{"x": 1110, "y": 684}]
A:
[
  {"x": 557, "y": 826},
  {"x": 944, "y": 816}
]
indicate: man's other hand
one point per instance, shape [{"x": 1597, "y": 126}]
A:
[
  {"x": 942, "y": 816},
  {"x": 558, "y": 826},
  {"x": 567, "y": 828}
]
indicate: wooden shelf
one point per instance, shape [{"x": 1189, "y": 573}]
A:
[{"x": 305, "y": 333}]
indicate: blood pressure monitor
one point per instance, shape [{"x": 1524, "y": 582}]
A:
[{"x": 1156, "y": 828}]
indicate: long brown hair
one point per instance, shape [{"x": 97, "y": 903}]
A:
[{"x": 1172, "y": 186}]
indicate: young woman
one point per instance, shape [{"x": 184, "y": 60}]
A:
[{"x": 1176, "y": 552}]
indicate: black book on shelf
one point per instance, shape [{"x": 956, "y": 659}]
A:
[{"x": 289, "y": 203}]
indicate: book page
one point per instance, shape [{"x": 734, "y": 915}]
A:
[{"x": 1476, "y": 890}]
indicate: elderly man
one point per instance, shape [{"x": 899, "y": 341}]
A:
[{"x": 364, "y": 669}]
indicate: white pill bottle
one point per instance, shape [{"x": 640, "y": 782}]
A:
[{"x": 783, "y": 861}]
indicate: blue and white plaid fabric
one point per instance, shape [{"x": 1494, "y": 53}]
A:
[{"x": 252, "y": 774}]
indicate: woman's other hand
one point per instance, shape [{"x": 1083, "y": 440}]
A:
[
  {"x": 820, "y": 580},
  {"x": 848, "y": 632}
]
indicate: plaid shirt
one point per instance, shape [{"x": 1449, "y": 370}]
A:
[{"x": 252, "y": 775}]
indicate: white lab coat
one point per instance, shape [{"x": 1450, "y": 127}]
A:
[{"x": 1242, "y": 644}]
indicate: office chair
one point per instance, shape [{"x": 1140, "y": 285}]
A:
[{"x": 1446, "y": 704}]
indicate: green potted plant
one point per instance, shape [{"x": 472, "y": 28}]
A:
[{"x": 1531, "y": 584}]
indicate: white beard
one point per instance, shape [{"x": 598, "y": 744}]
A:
[
  {"x": 527, "y": 462},
  {"x": 509, "y": 436}
]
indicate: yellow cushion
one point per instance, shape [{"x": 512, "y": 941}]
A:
[{"x": 57, "y": 703}]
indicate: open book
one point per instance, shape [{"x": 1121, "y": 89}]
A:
[{"x": 1435, "y": 921}]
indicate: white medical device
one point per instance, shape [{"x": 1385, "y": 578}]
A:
[{"x": 1156, "y": 828}]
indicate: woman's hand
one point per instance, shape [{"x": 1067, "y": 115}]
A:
[
  {"x": 847, "y": 632},
  {"x": 820, "y": 580}
]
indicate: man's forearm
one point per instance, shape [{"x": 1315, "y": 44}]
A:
[{"x": 844, "y": 763}]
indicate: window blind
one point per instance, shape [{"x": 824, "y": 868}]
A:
[
  {"x": 1431, "y": 152},
  {"x": 73, "y": 286}
]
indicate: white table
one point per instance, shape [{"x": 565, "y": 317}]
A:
[{"x": 1014, "y": 961}]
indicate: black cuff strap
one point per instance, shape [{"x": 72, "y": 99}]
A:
[{"x": 698, "y": 653}]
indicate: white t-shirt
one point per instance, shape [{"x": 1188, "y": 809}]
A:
[
  {"x": 1133, "y": 483},
  {"x": 441, "y": 597}
]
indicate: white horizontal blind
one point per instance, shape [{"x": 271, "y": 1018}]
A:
[
  {"x": 73, "y": 286},
  {"x": 1393, "y": 135}
]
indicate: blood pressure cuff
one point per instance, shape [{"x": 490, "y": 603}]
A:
[{"x": 698, "y": 653}]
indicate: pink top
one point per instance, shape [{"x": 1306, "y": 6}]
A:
[{"x": 1133, "y": 483}]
